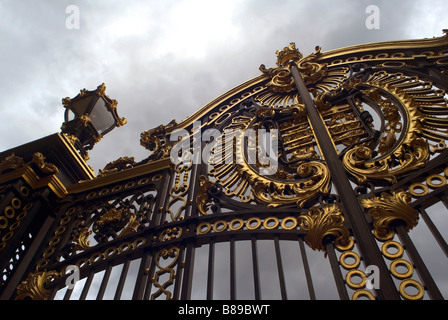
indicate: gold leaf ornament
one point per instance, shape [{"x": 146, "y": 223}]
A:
[
  {"x": 322, "y": 224},
  {"x": 34, "y": 286},
  {"x": 387, "y": 210}
]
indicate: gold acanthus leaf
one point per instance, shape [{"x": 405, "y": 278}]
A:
[
  {"x": 34, "y": 286},
  {"x": 387, "y": 210},
  {"x": 322, "y": 224}
]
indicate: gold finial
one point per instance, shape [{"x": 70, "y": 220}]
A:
[{"x": 287, "y": 54}]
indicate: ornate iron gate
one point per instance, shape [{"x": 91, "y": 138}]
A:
[{"x": 360, "y": 167}]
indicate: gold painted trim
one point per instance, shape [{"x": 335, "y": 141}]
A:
[
  {"x": 212, "y": 104},
  {"x": 35, "y": 182},
  {"x": 411, "y": 282},
  {"x": 387, "y": 45},
  {"x": 83, "y": 164},
  {"x": 120, "y": 176}
]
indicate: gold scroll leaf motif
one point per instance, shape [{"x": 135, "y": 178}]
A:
[
  {"x": 14, "y": 162},
  {"x": 281, "y": 78},
  {"x": 155, "y": 140},
  {"x": 202, "y": 199},
  {"x": 412, "y": 150},
  {"x": 240, "y": 179},
  {"x": 34, "y": 286},
  {"x": 389, "y": 209},
  {"x": 358, "y": 161},
  {"x": 115, "y": 220},
  {"x": 316, "y": 181},
  {"x": 324, "y": 222}
]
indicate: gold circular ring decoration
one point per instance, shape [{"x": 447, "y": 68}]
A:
[
  {"x": 117, "y": 188},
  {"x": 15, "y": 225},
  {"x": 355, "y": 273},
  {"x": 249, "y": 223},
  {"x": 267, "y": 221},
  {"x": 349, "y": 246},
  {"x": 287, "y": 220},
  {"x": 200, "y": 228},
  {"x": 103, "y": 192},
  {"x": 7, "y": 236},
  {"x": 347, "y": 255},
  {"x": 130, "y": 184},
  {"x": 138, "y": 242},
  {"x": 90, "y": 196},
  {"x": 28, "y": 206},
  {"x": 363, "y": 293},
  {"x": 436, "y": 177},
  {"x": 238, "y": 222},
  {"x": 125, "y": 246},
  {"x": 25, "y": 191},
  {"x": 3, "y": 222},
  {"x": 16, "y": 203},
  {"x": 411, "y": 283},
  {"x": 22, "y": 215},
  {"x": 220, "y": 226},
  {"x": 71, "y": 210},
  {"x": 392, "y": 244},
  {"x": 418, "y": 186},
  {"x": 9, "y": 212},
  {"x": 401, "y": 275},
  {"x": 110, "y": 252}
]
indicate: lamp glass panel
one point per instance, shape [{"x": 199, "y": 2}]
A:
[{"x": 100, "y": 116}]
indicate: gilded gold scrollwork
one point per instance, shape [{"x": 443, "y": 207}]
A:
[
  {"x": 120, "y": 164},
  {"x": 322, "y": 223},
  {"x": 359, "y": 162},
  {"x": 414, "y": 127},
  {"x": 281, "y": 78},
  {"x": 171, "y": 256},
  {"x": 14, "y": 162},
  {"x": 34, "y": 287},
  {"x": 315, "y": 180},
  {"x": 390, "y": 208},
  {"x": 202, "y": 199},
  {"x": 156, "y": 141},
  {"x": 112, "y": 221}
]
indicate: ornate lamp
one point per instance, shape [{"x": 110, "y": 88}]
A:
[{"x": 88, "y": 117}]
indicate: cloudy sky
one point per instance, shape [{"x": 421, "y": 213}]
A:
[{"x": 163, "y": 60}]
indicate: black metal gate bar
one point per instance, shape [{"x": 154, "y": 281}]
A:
[
  {"x": 352, "y": 207},
  {"x": 104, "y": 283},
  {"x": 188, "y": 271},
  {"x": 337, "y": 274},
  {"x": 142, "y": 277},
  {"x": 211, "y": 268},
  {"x": 26, "y": 260},
  {"x": 68, "y": 294},
  {"x": 281, "y": 275},
  {"x": 256, "y": 269},
  {"x": 416, "y": 259},
  {"x": 435, "y": 232},
  {"x": 85, "y": 289},
  {"x": 122, "y": 280},
  {"x": 232, "y": 269},
  {"x": 306, "y": 267}
]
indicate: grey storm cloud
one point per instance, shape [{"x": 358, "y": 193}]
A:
[{"x": 164, "y": 59}]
